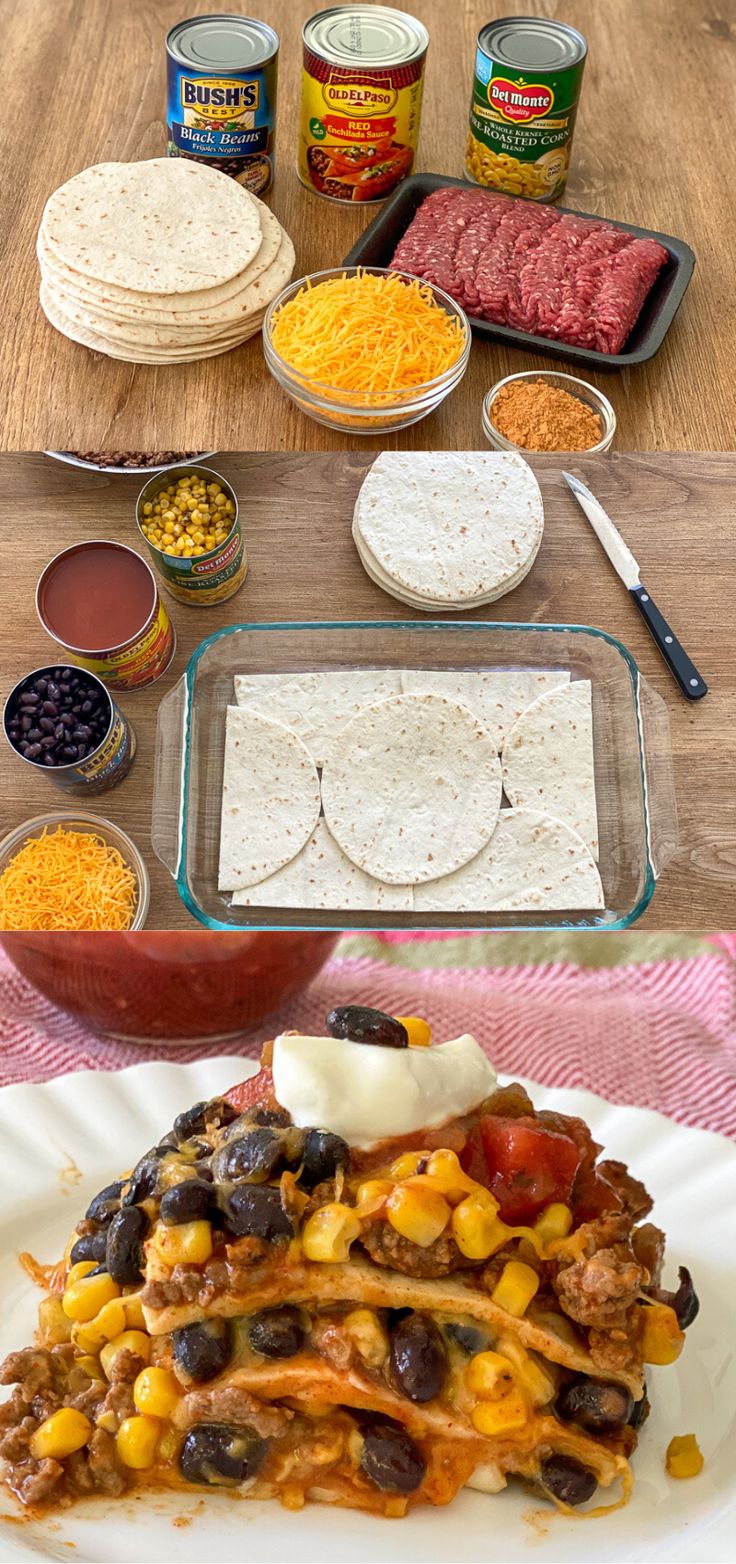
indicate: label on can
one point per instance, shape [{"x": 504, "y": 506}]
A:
[
  {"x": 211, "y": 579},
  {"x": 359, "y": 126},
  {"x": 223, "y": 117},
  {"x": 141, "y": 661},
  {"x": 521, "y": 127},
  {"x": 109, "y": 764}
]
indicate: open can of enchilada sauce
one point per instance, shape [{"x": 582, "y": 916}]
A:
[
  {"x": 100, "y": 602},
  {"x": 362, "y": 79},
  {"x": 221, "y": 96},
  {"x": 526, "y": 86}
]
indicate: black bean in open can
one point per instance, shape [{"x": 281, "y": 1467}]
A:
[
  {"x": 221, "y": 96},
  {"x": 61, "y": 720}
]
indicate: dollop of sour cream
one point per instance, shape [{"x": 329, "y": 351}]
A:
[{"x": 367, "y": 1094}]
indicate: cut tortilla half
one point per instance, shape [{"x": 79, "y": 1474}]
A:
[
  {"x": 322, "y": 875},
  {"x": 497, "y": 697},
  {"x": 533, "y": 863},
  {"x": 270, "y": 798},
  {"x": 316, "y": 705},
  {"x": 548, "y": 761}
]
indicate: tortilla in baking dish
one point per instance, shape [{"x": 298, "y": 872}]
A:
[
  {"x": 270, "y": 798},
  {"x": 548, "y": 759},
  {"x": 411, "y": 789}
]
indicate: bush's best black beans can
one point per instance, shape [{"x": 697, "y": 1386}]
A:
[
  {"x": 526, "y": 86},
  {"x": 106, "y": 765},
  {"x": 221, "y": 96}
]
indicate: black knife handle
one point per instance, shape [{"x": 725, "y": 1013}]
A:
[{"x": 675, "y": 656}]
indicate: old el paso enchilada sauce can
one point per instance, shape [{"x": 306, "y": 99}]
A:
[
  {"x": 362, "y": 81},
  {"x": 526, "y": 86},
  {"x": 221, "y": 96},
  {"x": 100, "y": 602}
]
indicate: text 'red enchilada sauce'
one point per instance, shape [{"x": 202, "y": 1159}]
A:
[
  {"x": 100, "y": 602},
  {"x": 362, "y": 83}
]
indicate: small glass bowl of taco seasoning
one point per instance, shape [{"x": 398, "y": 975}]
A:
[
  {"x": 545, "y": 410},
  {"x": 364, "y": 349},
  {"x": 188, "y": 517},
  {"x": 71, "y": 870}
]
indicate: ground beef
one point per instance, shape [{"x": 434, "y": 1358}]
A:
[
  {"x": 15, "y": 1441},
  {"x": 636, "y": 1202},
  {"x": 576, "y": 279},
  {"x": 97, "y": 1468},
  {"x": 647, "y": 1243},
  {"x": 598, "y": 1292},
  {"x": 387, "y": 1247},
  {"x": 230, "y": 1404},
  {"x": 34, "y": 1481},
  {"x": 39, "y": 1371},
  {"x": 615, "y": 1351},
  {"x": 189, "y": 1285}
]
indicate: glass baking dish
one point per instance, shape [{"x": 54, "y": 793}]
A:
[{"x": 633, "y": 757}]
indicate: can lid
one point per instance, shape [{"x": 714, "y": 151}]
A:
[
  {"x": 532, "y": 43},
  {"x": 222, "y": 43},
  {"x": 365, "y": 35}
]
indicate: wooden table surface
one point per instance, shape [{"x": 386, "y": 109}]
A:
[
  {"x": 676, "y": 513},
  {"x": 654, "y": 147}
]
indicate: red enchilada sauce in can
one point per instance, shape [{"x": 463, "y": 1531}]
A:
[
  {"x": 362, "y": 83},
  {"x": 100, "y": 602}
]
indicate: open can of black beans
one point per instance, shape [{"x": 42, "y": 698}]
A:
[{"x": 61, "y": 720}]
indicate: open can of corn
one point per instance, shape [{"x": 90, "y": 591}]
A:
[
  {"x": 188, "y": 516},
  {"x": 526, "y": 85}
]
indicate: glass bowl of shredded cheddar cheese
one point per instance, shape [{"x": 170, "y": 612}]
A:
[
  {"x": 68, "y": 870},
  {"x": 364, "y": 349}
]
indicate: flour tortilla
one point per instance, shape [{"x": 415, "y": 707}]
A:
[
  {"x": 140, "y": 355},
  {"x": 316, "y": 705},
  {"x": 206, "y": 305},
  {"x": 186, "y": 333},
  {"x": 166, "y": 225},
  {"x": 548, "y": 759},
  {"x": 322, "y": 876},
  {"x": 532, "y": 863},
  {"x": 411, "y": 789},
  {"x": 496, "y": 698},
  {"x": 270, "y": 799},
  {"x": 428, "y": 604},
  {"x": 450, "y": 527}
]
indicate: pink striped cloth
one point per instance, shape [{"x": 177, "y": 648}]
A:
[{"x": 658, "y": 1034}]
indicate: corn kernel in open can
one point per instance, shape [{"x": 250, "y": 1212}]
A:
[{"x": 194, "y": 567}]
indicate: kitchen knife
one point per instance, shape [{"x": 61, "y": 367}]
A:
[{"x": 683, "y": 670}]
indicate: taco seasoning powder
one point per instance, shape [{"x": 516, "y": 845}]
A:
[
  {"x": 362, "y": 79},
  {"x": 528, "y": 75},
  {"x": 221, "y": 96}
]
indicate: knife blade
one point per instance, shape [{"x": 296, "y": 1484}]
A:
[{"x": 682, "y": 668}]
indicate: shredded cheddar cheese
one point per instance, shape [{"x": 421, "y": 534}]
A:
[
  {"x": 367, "y": 334},
  {"x": 67, "y": 880}
]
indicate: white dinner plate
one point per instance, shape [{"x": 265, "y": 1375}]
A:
[{"x": 60, "y": 1142}]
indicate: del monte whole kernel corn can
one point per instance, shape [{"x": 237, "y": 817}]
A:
[
  {"x": 221, "y": 96},
  {"x": 362, "y": 81},
  {"x": 528, "y": 74}
]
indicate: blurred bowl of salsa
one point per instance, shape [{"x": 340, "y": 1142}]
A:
[{"x": 169, "y": 987}]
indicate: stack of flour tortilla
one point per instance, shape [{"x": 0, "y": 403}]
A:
[
  {"x": 401, "y": 790},
  {"x": 160, "y": 262},
  {"x": 448, "y": 530}
]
